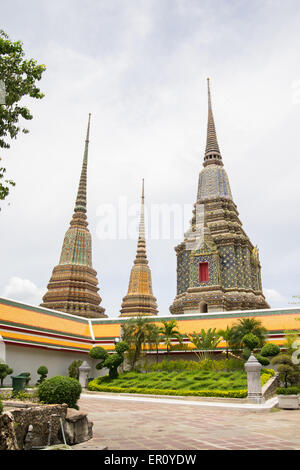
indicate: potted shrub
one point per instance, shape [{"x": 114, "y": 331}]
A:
[{"x": 289, "y": 374}]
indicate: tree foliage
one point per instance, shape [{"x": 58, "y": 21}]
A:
[
  {"x": 19, "y": 76},
  {"x": 5, "y": 370},
  {"x": 169, "y": 332},
  {"x": 205, "y": 341},
  {"x": 109, "y": 361},
  {"x": 137, "y": 333}
]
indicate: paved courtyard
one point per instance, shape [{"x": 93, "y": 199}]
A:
[{"x": 141, "y": 425}]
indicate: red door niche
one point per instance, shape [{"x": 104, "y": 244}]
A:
[{"x": 203, "y": 272}]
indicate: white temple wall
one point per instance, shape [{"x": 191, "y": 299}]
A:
[{"x": 26, "y": 359}]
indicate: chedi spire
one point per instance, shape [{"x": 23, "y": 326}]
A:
[
  {"x": 140, "y": 299},
  {"x": 73, "y": 286}
]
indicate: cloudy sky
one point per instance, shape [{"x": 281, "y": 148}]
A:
[{"x": 140, "y": 68}]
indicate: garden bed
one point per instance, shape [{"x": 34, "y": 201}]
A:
[{"x": 231, "y": 384}]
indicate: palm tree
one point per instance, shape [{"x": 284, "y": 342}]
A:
[
  {"x": 136, "y": 332},
  {"x": 155, "y": 338},
  {"x": 205, "y": 341},
  {"x": 226, "y": 335},
  {"x": 246, "y": 326},
  {"x": 168, "y": 330}
]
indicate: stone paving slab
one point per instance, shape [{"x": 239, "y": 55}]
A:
[{"x": 152, "y": 425}]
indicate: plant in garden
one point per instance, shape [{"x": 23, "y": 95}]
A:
[
  {"x": 5, "y": 370},
  {"x": 289, "y": 372},
  {"x": 60, "y": 389},
  {"x": 42, "y": 372},
  {"x": 19, "y": 77},
  {"x": 154, "y": 338},
  {"x": 136, "y": 332},
  {"x": 270, "y": 350},
  {"x": 169, "y": 332},
  {"x": 245, "y": 326},
  {"x": 205, "y": 341},
  {"x": 74, "y": 369},
  {"x": 110, "y": 361},
  {"x": 226, "y": 335},
  {"x": 290, "y": 336}
]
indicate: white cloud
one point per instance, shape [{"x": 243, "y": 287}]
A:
[
  {"x": 23, "y": 290},
  {"x": 273, "y": 296}
]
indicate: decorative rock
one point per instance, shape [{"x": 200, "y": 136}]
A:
[
  {"x": 84, "y": 370},
  {"x": 77, "y": 428},
  {"x": 253, "y": 368}
]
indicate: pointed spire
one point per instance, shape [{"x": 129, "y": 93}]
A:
[
  {"x": 141, "y": 256},
  {"x": 212, "y": 151},
  {"x": 79, "y": 216}
]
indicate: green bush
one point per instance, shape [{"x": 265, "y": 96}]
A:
[
  {"x": 74, "y": 369},
  {"x": 263, "y": 360},
  {"x": 205, "y": 364},
  {"x": 270, "y": 350},
  {"x": 42, "y": 371},
  {"x": 60, "y": 389},
  {"x": 287, "y": 390},
  {"x": 152, "y": 391}
]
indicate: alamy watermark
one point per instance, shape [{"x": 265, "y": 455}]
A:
[
  {"x": 120, "y": 221},
  {"x": 296, "y": 353}
]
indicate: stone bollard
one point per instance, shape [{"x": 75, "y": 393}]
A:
[
  {"x": 84, "y": 370},
  {"x": 253, "y": 368}
]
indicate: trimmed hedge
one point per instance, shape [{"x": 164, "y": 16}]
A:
[
  {"x": 288, "y": 390},
  {"x": 60, "y": 389},
  {"x": 104, "y": 385},
  {"x": 153, "y": 391}
]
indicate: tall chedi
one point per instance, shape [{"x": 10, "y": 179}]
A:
[
  {"x": 218, "y": 267},
  {"x": 73, "y": 287},
  {"x": 140, "y": 299}
]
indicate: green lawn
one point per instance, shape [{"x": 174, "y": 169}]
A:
[{"x": 201, "y": 380}]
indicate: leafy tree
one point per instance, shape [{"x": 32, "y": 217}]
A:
[
  {"x": 19, "y": 76},
  {"x": 226, "y": 335},
  {"x": 205, "y": 340},
  {"x": 245, "y": 326},
  {"x": 136, "y": 333},
  {"x": 109, "y": 361},
  {"x": 155, "y": 338},
  {"x": 290, "y": 337},
  {"x": 289, "y": 373},
  {"x": 5, "y": 370},
  {"x": 169, "y": 332}
]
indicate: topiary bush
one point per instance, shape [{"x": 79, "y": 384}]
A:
[
  {"x": 270, "y": 350},
  {"x": 60, "y": 389},
  {"x": 42, "y": 371},
  {"x": 74, "y": 369},
  {"x": 263, "y": 360}
]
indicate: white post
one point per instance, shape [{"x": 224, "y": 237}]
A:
[
  {"x": 84, "y": 370},
  {"x": 253, "y": 368}
]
